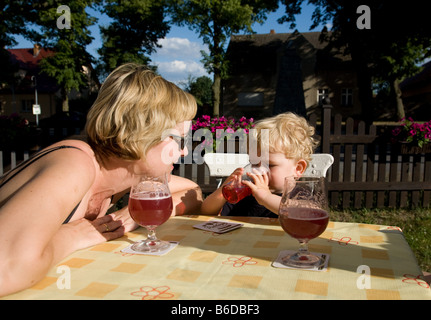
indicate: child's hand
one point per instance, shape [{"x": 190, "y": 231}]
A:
[
  {"x": 236, "y": 175},
  {"x": 259, "y": 186}
]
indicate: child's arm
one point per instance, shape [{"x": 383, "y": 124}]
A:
[
  {"x": 261, "y": 192},
  {"x": 215, "y": 201}
]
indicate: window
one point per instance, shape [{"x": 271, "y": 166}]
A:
[
  {"x": 27, "y": 105},
  {"x": 250, "y": 99},
  {"x": 347, "y": 97},
  {"x": 322, "y": 94}
]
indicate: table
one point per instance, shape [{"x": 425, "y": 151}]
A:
[{"x": 238, "y": 265}]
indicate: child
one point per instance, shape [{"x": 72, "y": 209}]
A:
[{"x": 290, "y": 147}]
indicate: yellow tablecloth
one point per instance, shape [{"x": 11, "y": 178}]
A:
[{"x": 238, "y": 265}]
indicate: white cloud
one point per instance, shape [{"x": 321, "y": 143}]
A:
[
  {"x": 178, "y": 58},
  {"x": 179, "y": 70},
  {"x": 174, "y": 47}
]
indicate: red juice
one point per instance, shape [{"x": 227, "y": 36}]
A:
[
  {"x": 303, "y": 223},
  {"x": 235, "y": 193},
  {"x": 150, "y": 211}
]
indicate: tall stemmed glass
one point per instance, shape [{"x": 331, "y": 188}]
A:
[
  {"x": 303, "y": 215},
  {"x": 150, "y": 205}
]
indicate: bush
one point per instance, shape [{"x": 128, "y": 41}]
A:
[{"x": 15, "y": 133}]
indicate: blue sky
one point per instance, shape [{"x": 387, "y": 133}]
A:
[{"x": 180, "y": 54}]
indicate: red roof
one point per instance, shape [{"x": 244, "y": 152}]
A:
[
  {"x": 26, "y": 58},
  {"x": 28, "y": 61}
]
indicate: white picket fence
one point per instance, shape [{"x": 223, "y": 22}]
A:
[{"x": 24, "y": 155}]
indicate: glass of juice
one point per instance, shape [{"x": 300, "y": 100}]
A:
[
  {"x": 150, "y": 205},
  {"x": 303, "y": 214},
  {"x": 234, "y": 191}
]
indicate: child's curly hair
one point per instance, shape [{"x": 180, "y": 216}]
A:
[{"x": 289, "y": 134}]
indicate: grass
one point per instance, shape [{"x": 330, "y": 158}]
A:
[{"x": 415, "y": 223}]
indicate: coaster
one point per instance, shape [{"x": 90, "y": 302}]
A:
[
  {"x": 129, "y": 249},
  {"x": 278, "y": 264},
  {"x": 218, "y": 226}
]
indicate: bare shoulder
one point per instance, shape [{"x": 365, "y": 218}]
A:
[
  {"x": 50, "y": 187},
  {"x": 75, "y": 161}
]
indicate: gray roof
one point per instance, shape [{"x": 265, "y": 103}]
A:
[{"x": 277, "y": 39}]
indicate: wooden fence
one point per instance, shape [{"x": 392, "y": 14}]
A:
[
  {"x": 368, "y": 171},
  {"x": 11, "y": 158}
]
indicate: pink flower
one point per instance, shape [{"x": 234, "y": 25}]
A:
[{"x": 396, "y": 131}]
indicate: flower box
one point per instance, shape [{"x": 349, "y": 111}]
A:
[
  {"x": 222, "y": 130},
  {"x": 408, "y": 148},
  {"x": 413, "y": 137}
]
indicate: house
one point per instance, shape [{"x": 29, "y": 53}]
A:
[
  {"x": 273, "y": 73},
  {"x": 31, "y": 84},
  {"x": 19, "y": 97},
  {"x": 416, "y": 94}
]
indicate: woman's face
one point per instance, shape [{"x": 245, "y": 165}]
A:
[{"x": 162, "y": 156}]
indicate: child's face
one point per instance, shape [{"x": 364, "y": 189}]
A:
[{"x": 281, "y": 167}]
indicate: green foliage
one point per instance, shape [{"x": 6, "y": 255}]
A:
[
  {"x": 399, "y": 39},
  {"x": 13, "y": 14},
  {"x": 15, "y": 133},
  {"x": 410, "y": 131},
  {"x": 132, "y": 36},
  {"x": 201, "y": 89},
  {"x": 215, "y": 21},
  {"x": 68, "y": 44}
]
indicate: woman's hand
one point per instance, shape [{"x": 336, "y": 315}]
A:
[
  {"x": 123, "y": 216},
  {"x": 109, "y": 227}
]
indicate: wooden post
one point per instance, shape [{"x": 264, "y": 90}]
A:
[{"x": 326, "y": 125}]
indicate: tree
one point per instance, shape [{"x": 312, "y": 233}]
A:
[
  {"x": 397, "y": 63},
  {"x": 64, "y": 30},
  {"x": 201, "y": 89},
  {"x": 216, "y": 21},
  {"x": 389, "y": 48},
  {"x": 13, "y": 15},
  {"x": 132, "y": 36}
]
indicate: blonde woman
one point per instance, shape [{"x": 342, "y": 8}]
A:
[
  {"x": 56, "y": 203},
  {"x": 288, "y": 139}
]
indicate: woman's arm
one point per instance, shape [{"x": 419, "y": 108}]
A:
[
  {"x": 32, "y": 236},
  {"x": 186, "y": 195}
]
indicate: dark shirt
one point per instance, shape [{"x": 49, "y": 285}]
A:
[{"x": 247, "y": 207}]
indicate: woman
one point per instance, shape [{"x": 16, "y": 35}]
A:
[{"x": 57, "y": 202}]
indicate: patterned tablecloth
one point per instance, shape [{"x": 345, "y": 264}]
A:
[{"x": 366, "y": 262}]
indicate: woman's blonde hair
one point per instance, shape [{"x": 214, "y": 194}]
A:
[
  {"x": 289, "y": 134},
  {"x": 132, "y": 110}
]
